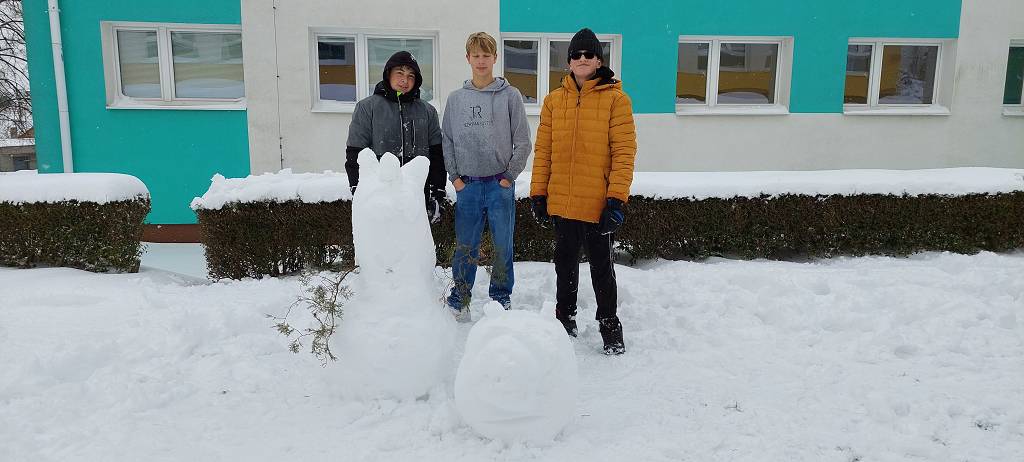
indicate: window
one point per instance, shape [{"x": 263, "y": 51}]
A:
[
  {"x": 1013, "y": 100},
  {"x": 733, "y": 75},
  {"x": 536, "y": 63},
  {"x": 349, "y": 64},
  {"x": 901, "y": 77},
  {"x": 23, "y": 162},
  {"x": 169, "y": 66}
]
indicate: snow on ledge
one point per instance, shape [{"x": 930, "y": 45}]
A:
[
  {"x": 282, "y": 186},
  {"x": 29, "y": 186},
  {"x": 330, "y": 186},
  {"x": 704, "y": 185}
]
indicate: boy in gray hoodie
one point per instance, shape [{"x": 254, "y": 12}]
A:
[{"x": 486, "y": 140}]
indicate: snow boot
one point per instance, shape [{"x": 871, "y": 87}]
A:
[
  {"x": 611, "y": 333},
  {"x": 568, "y": 322}
]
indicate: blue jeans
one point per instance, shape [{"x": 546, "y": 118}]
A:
[{"x": 477, "y": 200}]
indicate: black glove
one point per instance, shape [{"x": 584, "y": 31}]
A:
[
  {"x": 434, "y": 206},
  {"x": 540, "y": 211},
  {"x": 612, "y": 217},
  {"x": 433, "y": 210}
]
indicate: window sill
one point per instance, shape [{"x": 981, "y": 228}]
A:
[
  {"x": 730, "y": 110},
  {"x": 934, "y": 110},
  {"x": 337, "y": 107},
  {"x": 532, "y": 109},
  {"x": 126, "y": 103},
  {"x": 333, "y": 107},
  {"x": 1013, "y": 111}
]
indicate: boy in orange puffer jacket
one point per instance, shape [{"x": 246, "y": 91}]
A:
[{"x": 582, "y": 171}]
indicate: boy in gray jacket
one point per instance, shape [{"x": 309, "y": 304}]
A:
[
  {"x": 394, "y": 119},
  {"x": 486, "y": 140}
]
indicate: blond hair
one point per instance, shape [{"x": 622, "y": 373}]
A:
[{"x": 481, "y": 41}]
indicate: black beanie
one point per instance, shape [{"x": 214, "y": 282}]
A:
[
  {"x": 402, "y": 58},
  {"x": 585, "y": 40}
]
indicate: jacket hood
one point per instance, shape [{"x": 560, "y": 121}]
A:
[
  {"x": 403, "y": 58},
  {"x": 498, "y": 84}
]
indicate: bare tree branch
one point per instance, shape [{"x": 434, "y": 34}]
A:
[{"x": 15, "y": 100}]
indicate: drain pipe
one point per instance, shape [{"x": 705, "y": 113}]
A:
[{"x": 61, "y": 84}]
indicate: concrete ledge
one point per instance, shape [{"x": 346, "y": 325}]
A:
[{"x": 171, "y": 233}]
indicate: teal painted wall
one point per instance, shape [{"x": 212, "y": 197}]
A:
[
  {"x": 820, "y": 28},
  {"x": 175, "y": 152}
]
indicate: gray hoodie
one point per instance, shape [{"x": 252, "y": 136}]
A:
[{"x": 485, "y": 132}]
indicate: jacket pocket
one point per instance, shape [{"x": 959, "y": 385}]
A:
[{"x": 421, "y": 135}]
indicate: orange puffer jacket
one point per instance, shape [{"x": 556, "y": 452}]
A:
[{"x": 586, "y": 144}]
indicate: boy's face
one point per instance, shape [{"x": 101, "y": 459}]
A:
[
  {"x": 583, "y": 67},
  {"x": 402, "y": 78},
  {"x": 481, "y": 62}
]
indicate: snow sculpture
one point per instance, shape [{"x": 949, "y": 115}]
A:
[
  {"x": 396, "y": 339},
  {"x": 518, "y": 379}
]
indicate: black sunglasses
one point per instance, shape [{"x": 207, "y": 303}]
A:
[{"x": 580, "y": 54}]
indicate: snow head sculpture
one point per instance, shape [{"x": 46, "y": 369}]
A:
[
  {"x": 390, "y": 229},
  {"x": 396, "y": 338},
  {"x": 517, "y": 380}
]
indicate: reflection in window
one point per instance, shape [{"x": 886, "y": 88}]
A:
[
  {"x": 139, "y": 62},
  {"x": 908, "y": 74},
  {"x": 1014, "y": 76},
  {"x": 858, "y": 74},
  {"x": 692, "y": 73},
  {"x": 23, "y": 162},
  {"x": 747, "y": 73},
  {"x": 207, "y": 65},
  {"x": 336, "y": 63},
  {"x": 380, "y": 49},
  {"x": 520, "y": 61},
  {"x": 559, "y": 61}
]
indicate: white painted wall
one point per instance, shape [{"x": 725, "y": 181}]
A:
[
  {"x": 281, "y": 108},
  {"x": 975, "y": 134}
]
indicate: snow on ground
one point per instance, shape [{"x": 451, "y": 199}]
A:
[{"x": 871, "y": 359}]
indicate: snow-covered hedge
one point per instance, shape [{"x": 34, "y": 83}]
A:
[
  {"x": 279, "y": 223},
  {"x": 91, "y": 221}
]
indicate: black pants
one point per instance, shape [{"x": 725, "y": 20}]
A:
[{"x": 570, "y": 235}]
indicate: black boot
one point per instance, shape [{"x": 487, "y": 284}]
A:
[
  {"x": 611, "y": 333},
  {"x": 568, "y": 322}
]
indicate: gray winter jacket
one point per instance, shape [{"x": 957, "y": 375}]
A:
[
  {"x": 485, "y": 131},
  {"x": 405, "y": 126}
]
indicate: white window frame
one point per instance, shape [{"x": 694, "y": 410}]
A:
[
  {"x": 544, "y": 40},
  {"x": 942, "y": 92},
  {"x": 1014, "y": 110},
  {"x": 783, "y": 77},
  {"x": 116, "y": 99},
  {"x": 363, "y": 79}
]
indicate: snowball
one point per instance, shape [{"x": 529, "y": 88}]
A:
[{"x": 518, "y": 379}]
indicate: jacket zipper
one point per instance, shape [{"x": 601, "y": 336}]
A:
[
  {"x": 401, "y": 129},
  {"x": 572, "y": 151}
]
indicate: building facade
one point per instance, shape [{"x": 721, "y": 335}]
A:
[{"x": 221, "y": 86}]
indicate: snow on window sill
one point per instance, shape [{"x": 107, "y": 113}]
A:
[
  {"x": 685, "y": 110},
  {"x": 188, "y": 105},
  {"x": 932, "y": 110},
  {"x": 1013, "y": 111}
]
